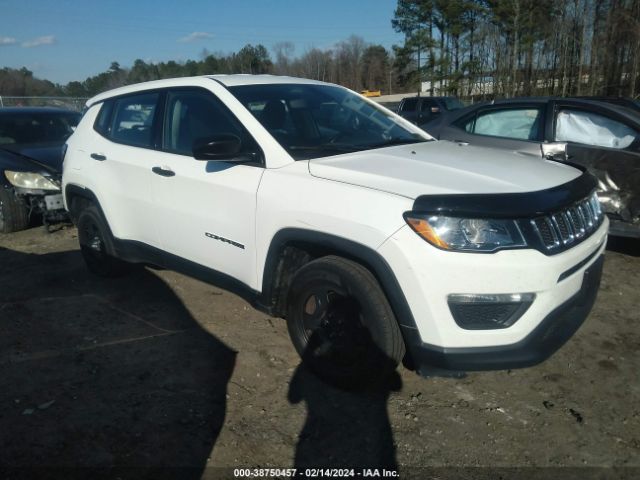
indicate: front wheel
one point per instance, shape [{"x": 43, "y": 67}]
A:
[
  {"x": 96, "y": 245},
  {"x": 342, "y": 324}
]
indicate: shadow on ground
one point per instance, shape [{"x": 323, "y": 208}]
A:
[
  {"x": 346, "y": 427},
  {"x": 104, "y": 373},
  {"x": 624, "y": 245}
]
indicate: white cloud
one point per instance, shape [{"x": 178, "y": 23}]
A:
[
  {"x": 36, "y": 42},
  {"x": 194, "y": 36},
  {"x": 7, "y": 41}
]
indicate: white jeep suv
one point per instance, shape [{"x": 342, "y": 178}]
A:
[{"x": 374, "y": 241}]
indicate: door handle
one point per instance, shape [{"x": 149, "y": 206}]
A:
[
  {"x": 163, "y": 172},
  {"x": 462, "y": 143},
  {"x": 98, "y": 156}
]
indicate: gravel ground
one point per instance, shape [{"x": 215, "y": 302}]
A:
[{"x": 157, "y": 375}]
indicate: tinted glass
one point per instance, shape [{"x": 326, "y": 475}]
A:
[
  {"x": 409, "y": 105},
  {"x": 27, "y": 128},
  {"x": 451, "y": 103},
  {"x": 133, "y": 119},
  {"x": 589, "y": 128},
  {"x": 312, "y": 121},
  {"x": 516, "y": 123},
  {"x": 427, "y": 106},
  {"x": 194, "y": 115},
  {"x": 103, "y": 120}
]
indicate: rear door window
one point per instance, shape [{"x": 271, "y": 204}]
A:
[
  {"x": 588, "y": 128},
  {"x": 133, "y": 119}
]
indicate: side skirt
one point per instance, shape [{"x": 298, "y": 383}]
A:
[{"x": 139, "y": 252}]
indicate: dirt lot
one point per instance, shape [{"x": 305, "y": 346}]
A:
[{"x": 168, "y": 377}]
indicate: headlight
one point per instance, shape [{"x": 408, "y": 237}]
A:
[
  {"x": 32, "y": 181},
  {"x": 466, "y": 234}
]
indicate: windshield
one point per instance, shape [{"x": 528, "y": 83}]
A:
[
  {"x": 27, "y": 128},
  {"x": 312, "y": 121}
]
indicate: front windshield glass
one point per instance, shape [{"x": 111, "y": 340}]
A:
[
  {"x": 312, "y": 121},
  {"x": 28, "y": 128}
]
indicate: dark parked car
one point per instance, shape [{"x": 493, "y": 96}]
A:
[
  {"x": 621, "y": 101},
  {"x": 421, "y": 110},
  {"x": 603, "y": 137},
  {"x": 31, "y": 144}
]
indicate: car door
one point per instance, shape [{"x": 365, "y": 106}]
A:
[
  {"x": 608, "y": 144},
  {"x": 205, "y": 210},
  {"x": 514, "y": 126},
  {"x": 121, "y": 158}
]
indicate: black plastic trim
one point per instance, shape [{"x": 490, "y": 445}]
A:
[
  {"x": 508, "y": 205},
  {"x": 553, "y": 332},
  {"x": 72, "y": 190},
  {"x": 139, "y": 252},
  {"x": 579, "y": 265},
  {"x": 340, "y": 246}
]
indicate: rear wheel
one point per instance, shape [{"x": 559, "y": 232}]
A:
[
  {"x": 96, "y": 244},
  {"x": 342, "y": 324},
  {"x": 14, "y": 214}
]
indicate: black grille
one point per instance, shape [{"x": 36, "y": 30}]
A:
[
  {"x": 473, "y": 316},
  {"x": 570, "y": 225},
  {"x": 562, "y": 224},
  {"x": 545, "y": 230}
]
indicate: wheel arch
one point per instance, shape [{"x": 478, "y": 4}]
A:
[
  {"x": 291, "y": 248},
  {"x": 75, "y": 197}
]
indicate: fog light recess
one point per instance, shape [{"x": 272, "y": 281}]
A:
[{"x": 488, "y": 312}]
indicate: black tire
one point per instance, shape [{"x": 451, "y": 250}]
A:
[
  {"x": 96, "y": 245},
  {"x": 341, "y": 323},
  {"x": 14, "y": 214}
]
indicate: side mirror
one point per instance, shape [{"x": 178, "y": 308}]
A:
[
  {"x": 554, "y": 151},
  {"x": 217, "y": 148}
]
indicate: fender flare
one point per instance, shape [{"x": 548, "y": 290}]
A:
[
  {"x": 336, "y": 245},
  {"x": 73, "y": 190}
]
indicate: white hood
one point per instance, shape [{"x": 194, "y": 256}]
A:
[{"x": 442, "y": 167}]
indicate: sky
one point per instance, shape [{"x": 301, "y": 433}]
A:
[{"x": 65, "y": 40}]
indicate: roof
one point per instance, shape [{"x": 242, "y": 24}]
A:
[
  {"x": 226, "y": 80},
  {"x": 245, "y": 79},
  {"x": 27, "y": 110}
]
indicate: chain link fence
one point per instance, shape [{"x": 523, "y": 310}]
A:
[{"x": 71, "y": 103}]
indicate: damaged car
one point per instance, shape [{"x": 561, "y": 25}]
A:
[
  {"x": 603, "y": 137},
  {"x": 31, "y": 153}
]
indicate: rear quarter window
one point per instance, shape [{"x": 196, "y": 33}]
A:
[
  {"x": 133, "y": 119},
  {"x": 102, "y": 124}
]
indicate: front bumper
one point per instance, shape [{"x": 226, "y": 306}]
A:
[
  {"x": 428, "y": 277},
  {"x": 552, "y": 332}
]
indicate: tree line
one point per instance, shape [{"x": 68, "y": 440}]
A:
[
  {"x": 506, "y": 48},
  {"x": 468, "y": 48},
  {"x": 352, "y": 62}
]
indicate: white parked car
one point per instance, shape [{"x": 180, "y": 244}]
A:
[{"x": 375, "y": 242}]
